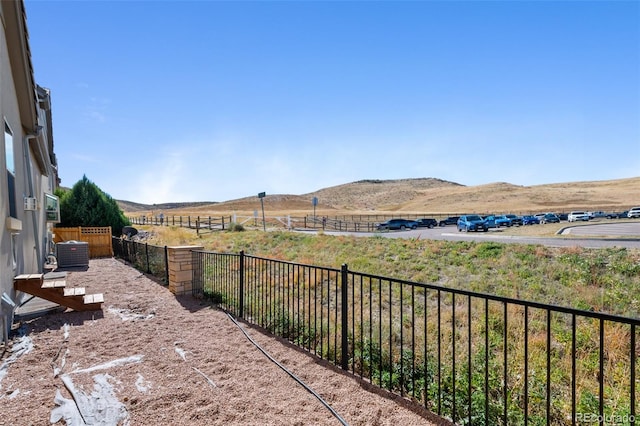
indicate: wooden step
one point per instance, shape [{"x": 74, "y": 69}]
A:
[
  {"x": 29, "y": 277},
  {"x": 54, "y": 284},
  {"x": 93, "y": 302},
  {"x": 74, "y": 291},
  {"x": 28, "y": 283},
  {"x": 94, "y": 298},
  {"x": 56, "y": 291}
]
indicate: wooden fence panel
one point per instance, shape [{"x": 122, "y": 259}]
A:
[
  {"x": 66, "y": 234},
  {"x": 99, "y": 239}
]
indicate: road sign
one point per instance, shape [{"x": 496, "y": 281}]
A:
[{"x": 261, "y": 195}]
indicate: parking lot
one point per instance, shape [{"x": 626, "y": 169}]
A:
[{"x": 591, "y": 235}]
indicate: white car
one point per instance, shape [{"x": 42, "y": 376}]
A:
[
  {"x": 575, "y": 216},
  {"x": 634, "y": 212}
]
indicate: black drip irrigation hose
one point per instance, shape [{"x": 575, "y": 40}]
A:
[{"x": 293, "y": 376}]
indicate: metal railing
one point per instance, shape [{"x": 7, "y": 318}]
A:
[
  {"x": 470, "y": 357},
  {"x": 145, "y": 257}
]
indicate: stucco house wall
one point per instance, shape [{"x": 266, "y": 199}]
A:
[{"x": 26, "y": 147}]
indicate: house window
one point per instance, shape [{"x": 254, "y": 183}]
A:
[
  {"x": 52, "y": 208},
  {"x": 11, "y": 169}
]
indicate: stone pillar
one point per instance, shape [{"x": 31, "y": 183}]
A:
[{"x": 181, "y": 269}]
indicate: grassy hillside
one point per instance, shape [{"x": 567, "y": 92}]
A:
[
  {"x": 427, "y": 195},
  {"x": 130, "y": 206}
]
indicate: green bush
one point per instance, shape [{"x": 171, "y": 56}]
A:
[{"x": 87, "y": 205}]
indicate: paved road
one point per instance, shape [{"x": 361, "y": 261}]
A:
[
  {"x": 590, "y": 236},
  {"x": 626, "y": 229}
]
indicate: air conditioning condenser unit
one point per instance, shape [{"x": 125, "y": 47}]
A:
[{"x": 72, "y": 253}]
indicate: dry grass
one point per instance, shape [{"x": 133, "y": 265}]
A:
[{"x": 428, "y": 195}]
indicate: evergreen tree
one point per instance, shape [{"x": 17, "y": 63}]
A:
[{"x": 87, "y": 205}]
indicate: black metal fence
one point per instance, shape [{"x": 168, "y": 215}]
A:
[
  {"x": 469, "y": 357},
  {"x": 145, "y": 257}
]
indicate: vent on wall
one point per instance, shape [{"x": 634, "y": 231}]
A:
[
  {"x": 30, "y": 203},
  {"x": 72, "y": 253}
]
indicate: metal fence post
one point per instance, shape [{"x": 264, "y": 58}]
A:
[
  {"x": 345, "y": 319},
  {"x": 166, "y": 265},
  {"x": 241, "y": 301},
  {"x": 146, "y": 252}
]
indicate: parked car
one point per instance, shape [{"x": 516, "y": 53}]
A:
[
  {"x": 451, "y": 220},
  {"x": 515, "y": 219},
  {"x": 550, "y": 218},
  {"x": 634, "y": 212},
  {"x": 472, "y": 222},
  {"x": 497, "y": 221},
  {"x": 427, "y": 223},
  {"x": 490, "y": 221},
  {"x": 400, "y": 224},
  {"x": 563, "y": 216},
  {"x": 617, "y": 215},
  {"x": 530, "y": 220},
  {"x": 578, "y": 215}
]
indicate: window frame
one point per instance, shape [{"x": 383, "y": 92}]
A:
[
  {"x": 10, "y": 167},
  {"x": 52, "y": 208}
]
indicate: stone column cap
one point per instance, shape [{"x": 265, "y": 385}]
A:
[{"x": 186, "y": 247}]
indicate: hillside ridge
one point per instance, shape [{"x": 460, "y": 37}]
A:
[{"x": 428, "y": 195}]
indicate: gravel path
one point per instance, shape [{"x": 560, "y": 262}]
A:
[{"x": 149, "y": 358}]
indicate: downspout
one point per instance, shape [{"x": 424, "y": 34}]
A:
[{"x": 36, "y": 231}]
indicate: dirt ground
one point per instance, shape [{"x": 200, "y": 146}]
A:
[{"x": 149, "y": 358}]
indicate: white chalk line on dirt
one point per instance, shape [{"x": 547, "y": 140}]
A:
[
  {"x": 65, "y": 338},
  {"x": 23, "y": 346},
  {"x": 128, "y": 315},
  {"x": 101, "y": 406},
  {"x": 134, "y": 359},
  {"x": 183, "y": 354},
  {"x": 141, "y": 384}
]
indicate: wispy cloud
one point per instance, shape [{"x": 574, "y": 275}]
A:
[
  {"x": 84, "y": 158},
  {"x": 96, "y": 115},
  {"x": 97, "y": 109}
]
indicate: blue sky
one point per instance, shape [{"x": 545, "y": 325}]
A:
[{"x": 159, "y": 101}]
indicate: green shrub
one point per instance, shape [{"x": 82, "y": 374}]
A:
[{"x": 236, "y": 227}]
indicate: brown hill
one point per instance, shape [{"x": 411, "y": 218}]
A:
[
  {"x": 426, "y": 195},
  {"x": 130, "y": 206},
  {"x": 367, "y": 195},
  {"x": 609, "y": 195}
]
